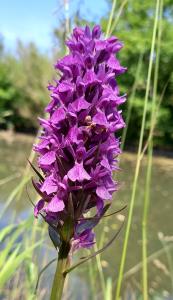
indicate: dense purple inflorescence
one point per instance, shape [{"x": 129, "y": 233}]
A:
[{"x": 78, "y": 149}]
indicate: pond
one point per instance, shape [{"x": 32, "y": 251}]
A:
[{"x": 14, "y": 152}]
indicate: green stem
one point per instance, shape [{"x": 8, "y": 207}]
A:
[
  {"x": 59, "y": 278},
  {"x": 169, "y": 259},
  {"x": 110, "y": 18},
  {"x": 138, "y": 163},
  {"x": 145, "y": 223},
  {"x": 149, "y": 166},
  {"x": 118, "y": 16},
  {"x": 131, "y": 99}
]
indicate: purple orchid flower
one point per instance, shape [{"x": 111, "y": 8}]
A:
[{"x": 78, "y": 146}]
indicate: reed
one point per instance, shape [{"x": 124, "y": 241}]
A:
[
  {"x": 149, "y": 164},
  {"x": 138, "y": 162}
]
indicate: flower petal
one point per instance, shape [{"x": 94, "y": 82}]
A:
[
  {"x": 55, "y": 205},
  {"x": 78, "y": 173},
  {"x": 49, "y": 185},
  {"x": 103, "y": 193},
  {"x": 80, "y": 104},
  {"x": 58, "y": 115},
  {"x": 39, "y": 206},
  {"x": 48, "y": 158},
  {"x": 100, "y": 119}
]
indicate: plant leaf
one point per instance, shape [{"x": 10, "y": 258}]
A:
[
  {"x": 105, "y": 216},
  {"x": 35, "y": 170},
  {"x": 5, "y": 231},
  {"x": 54, "y": 236},
  {"x": 30, "y": 200},
  {"x": 38, "y": 191},
  {"x": 66, "y": 231},
  {"x": 91, "y": 222},
  {"x": 14, "y": 261},
  {"x": 41, "y": 272},
  {"x": 92, "y": 255}
]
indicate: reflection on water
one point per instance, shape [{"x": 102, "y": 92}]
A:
[{"x": 13, "y": 157}]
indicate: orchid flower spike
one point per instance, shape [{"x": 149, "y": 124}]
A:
[{"x": 78, "y": 147}]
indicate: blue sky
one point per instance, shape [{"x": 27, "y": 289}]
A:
[{"x": 34, "y": 20}]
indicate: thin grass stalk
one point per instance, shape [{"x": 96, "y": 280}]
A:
[
  {"x": 27, "y": 168},
  {"x": 150, "y": 258},
  {"x": 99, "y": 266},
  {"x": 110, "y": 18},
  {"x": 157, "y": 55},
  {"x": 29, "y": 239},
  {"x": 9, "y": 178},
  {"x": 33, "y": 240},
  {"x": 136, "y": 268},
  {"x": 93, "y": 285},
  {"x": 154, "y": 120},
  {"x": 109, "y": 289},
  {"x": 101, "y": 274},
  {"x": 67, "y": 22},
  {"x": 169, "y": 260},
  {"x": 98, "y": 262},
  {"x": 118, "y": 16},
  {"x": 102, "y": 237},
  {"x": 44, "y": 260},
  {"x": 138, "y": 163},
  {"x": 131, "y": 99},
  {"x": 12, "y": 195},
  {"x": 156, "y": 105},
  {"x": 149, "y": 167},
  {"x": 16, "y": 290},
  {"x": 98, "y": 259},
  {"x": 144, "y": 224}
]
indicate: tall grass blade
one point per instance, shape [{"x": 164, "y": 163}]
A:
[
  {"x": 9, "y": 178},
  {"x": 5, "y": 231},
  {"x": 144, "y": 224},
  {"x": 109, "y": 289},
  {"x": 101, "y": 274},
  {"x": 14, "y": 261},
  {"x": 123, "y": 4},
  {"x": 150, "y": 258},
  {"x": 167, "y": 251},
  {"x": 7, "y": 270},
  {"x": 149, "y": 166},
  {"x": 13, "y": 194},
  {"x": 92, "y": 277},
  {"x": 42, "y": 271},
  {"x": 26, "y": 173},
  {"x": 134, "y": 187},
  {"x": 131, "y": 99},
  {"x": 9, "y": 245},
  {"x": 110, "y": 18}
]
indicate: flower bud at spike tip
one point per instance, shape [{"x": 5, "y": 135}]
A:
[{"x": 78, "y": 146}]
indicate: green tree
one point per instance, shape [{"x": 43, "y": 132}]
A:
[
  {"x": 23, "y": 82},
  {"x": 134, "y": 29}
]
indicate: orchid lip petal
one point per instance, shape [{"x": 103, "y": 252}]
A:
[
  {"x": 78, "y": 173},
  {"x": 55, "y": 205}
]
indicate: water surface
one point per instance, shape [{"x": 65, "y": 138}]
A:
[{"x": 13, "y": 157}]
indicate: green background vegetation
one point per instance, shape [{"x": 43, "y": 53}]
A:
[
  {"x": 139, "y": 265},
  {"x": 24, "y": 76}
]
